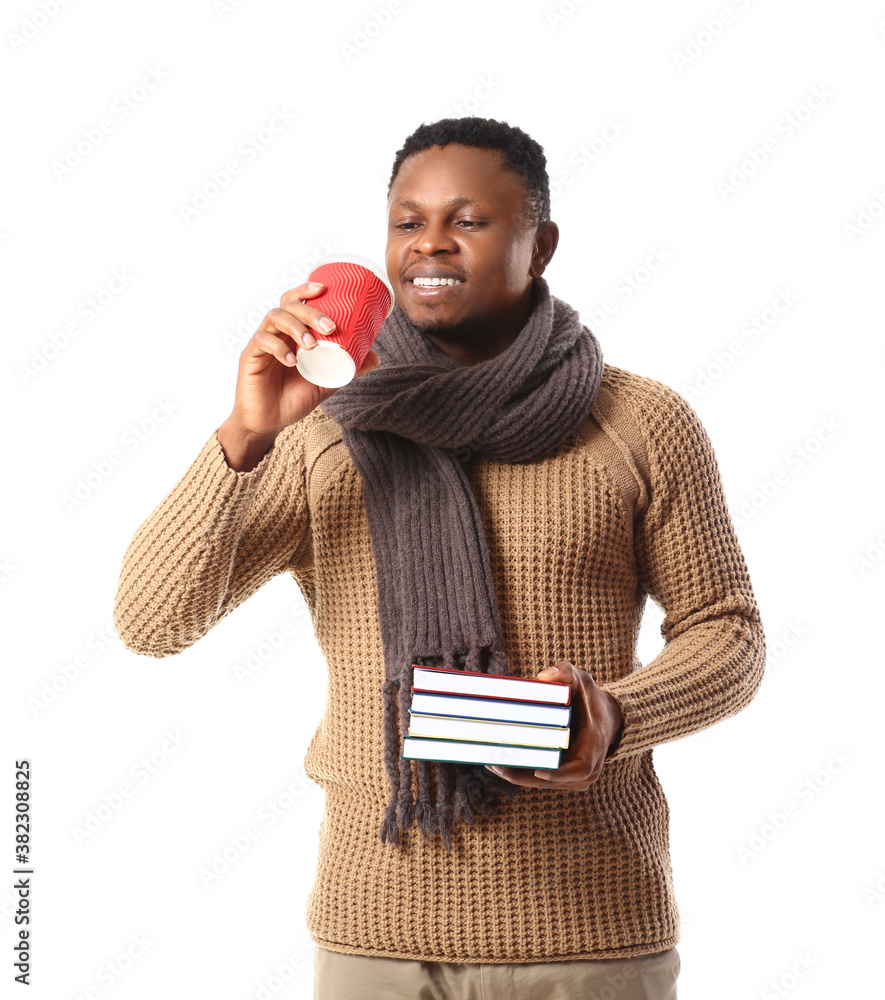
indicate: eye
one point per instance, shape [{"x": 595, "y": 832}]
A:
[
  {"x": 402, "y": 225},
  {"x": 470, "y": 222}
]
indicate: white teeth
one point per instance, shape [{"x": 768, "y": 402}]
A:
[{"x": 436, "y": 281}]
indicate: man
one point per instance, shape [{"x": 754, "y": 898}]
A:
[{"x": 487, "y": 494}]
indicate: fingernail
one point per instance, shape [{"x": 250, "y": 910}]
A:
[
  {"x": 326, "y": 325},
  {"x": 550, "y": 670},
  {"x": 315, "y": 286},
  {"x": 309, "y": 339},
  {"x": 290, "y": 357},
  {"x": 543, "y": 774}
]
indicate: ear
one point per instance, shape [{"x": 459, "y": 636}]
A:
[{"x": 546, "y": 240}]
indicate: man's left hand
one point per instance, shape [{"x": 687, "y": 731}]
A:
[{"x": 595, "y": 725}]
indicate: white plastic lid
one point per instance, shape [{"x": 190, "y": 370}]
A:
[{"x": 327, "y": 365}]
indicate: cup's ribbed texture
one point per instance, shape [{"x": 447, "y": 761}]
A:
[{"x": 357, "y": 300}]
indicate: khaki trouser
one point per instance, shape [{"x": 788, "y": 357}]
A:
[{"x": 360, "y": 977}]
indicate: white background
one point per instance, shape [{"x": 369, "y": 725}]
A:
[{"x": 776, "y": 828}]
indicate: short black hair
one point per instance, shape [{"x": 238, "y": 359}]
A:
[{"x": 521, "y": 153}]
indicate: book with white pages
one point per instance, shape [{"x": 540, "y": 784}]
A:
[
  {"x": 460, "y": 752},
  {"x": 443, "y": 727},
  {"x": 480, "y": 685},
  {"x": 492, "y": 709}
]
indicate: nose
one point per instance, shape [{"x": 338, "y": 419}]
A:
[{"x": 432, "y": 237}]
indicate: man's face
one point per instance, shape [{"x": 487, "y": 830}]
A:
[{"x": 458, "y": 211}]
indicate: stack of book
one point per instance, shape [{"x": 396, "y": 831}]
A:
[{"x": 473, "y": 718}]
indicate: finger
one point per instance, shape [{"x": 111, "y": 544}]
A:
[
  {"x": 266, "y": 343},
  {"x": 305, "y": 291},
  {"x": 518, "y": 776},
  {"x": 309, "y": 316},
  {"x": 573, "y": 771},
  {"x": 292, "y": 302},
  {"x": 371, "y": 360},
  {"x": 561, "y": 672},
  {"x": 531, "y": 779},
  {"x": 571, "y": 786},
  {"x": 282, "y": 321}
]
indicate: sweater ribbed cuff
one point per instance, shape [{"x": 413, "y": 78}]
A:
[{"x": 664, "y": 700}]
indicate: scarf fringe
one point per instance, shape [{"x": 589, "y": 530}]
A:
[{"x": 462, "y": 791}]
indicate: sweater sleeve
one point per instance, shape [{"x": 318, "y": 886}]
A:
[
  {"x": 691, "y": 565},
  {"x": 217, "y": 537}
]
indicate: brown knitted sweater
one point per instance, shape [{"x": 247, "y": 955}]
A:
[{"x": 630, "y": 504}]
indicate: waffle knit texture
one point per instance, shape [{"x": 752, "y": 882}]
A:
[
  {"x": 406, "y": 426},
  {"x": 629, "y": 505}
]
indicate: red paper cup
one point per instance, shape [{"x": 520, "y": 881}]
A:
[{"x": 359, "y": 298}]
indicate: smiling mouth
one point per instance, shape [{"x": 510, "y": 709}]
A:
[{"x": 434, "y": 282}]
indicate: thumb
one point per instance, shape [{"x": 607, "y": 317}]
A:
[
  {"x": 371, "y": 360},
  {"x": 559, "y": 671}
]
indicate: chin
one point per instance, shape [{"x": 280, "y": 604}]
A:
[{"x": 429, "y": 322}]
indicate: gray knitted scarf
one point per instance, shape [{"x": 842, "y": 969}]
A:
[{"x": 408, "y": 425}]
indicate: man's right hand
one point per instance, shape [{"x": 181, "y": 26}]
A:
[{"x": 271, "y": 393}]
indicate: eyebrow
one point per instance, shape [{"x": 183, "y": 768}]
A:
[{"x": 417, "y": 206}]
